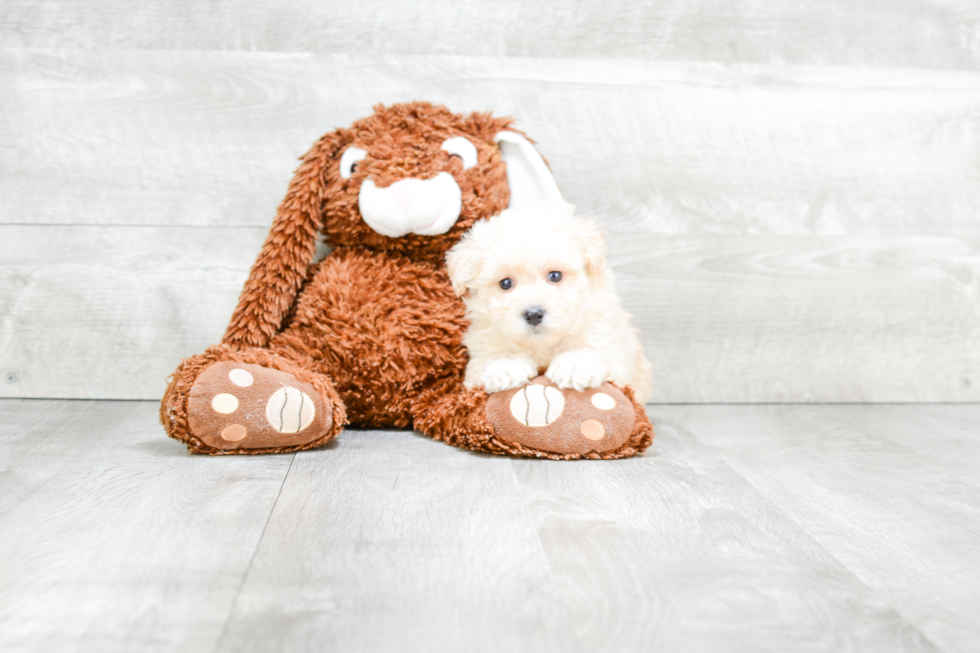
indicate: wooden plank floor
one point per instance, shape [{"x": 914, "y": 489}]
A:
[{"x": 745, "y": 528}]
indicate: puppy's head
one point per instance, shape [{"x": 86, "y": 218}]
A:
[{"x": 527, "y": 272}]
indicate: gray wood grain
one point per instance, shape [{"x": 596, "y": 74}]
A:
[
  {"x": 753, "y": 319},
  {"x": 899, "y": 519},
  {"x": 212, "y": 138},
  {"x": 900, "y": 33},
  {"x": 782, "y": 232},
  {"x": 753, "y": 528},
  {"x": 113, "y": 538},
  {"x": 90, "y": 312},
  {"x": 399, "y": 543},
  {"x": 426, "y": 542},
  {"x": 915, "y": 427},
  {"x": 805, "y": 319}
]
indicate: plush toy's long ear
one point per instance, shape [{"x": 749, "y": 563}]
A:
[
  {"x": 528, "y": 175},
  {"x": 287, "y": 254}
]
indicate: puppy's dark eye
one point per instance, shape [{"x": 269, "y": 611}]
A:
[
  {"x": 554, "y": 276},
  {"x": 506, "y": 284}
]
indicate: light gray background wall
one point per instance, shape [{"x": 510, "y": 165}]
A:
[{"x": 790, "y": 188}]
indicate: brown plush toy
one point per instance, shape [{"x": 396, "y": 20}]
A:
[{"x": 371, "y": 335}]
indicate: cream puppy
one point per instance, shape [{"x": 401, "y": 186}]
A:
[{"x": 538, "y": 294}]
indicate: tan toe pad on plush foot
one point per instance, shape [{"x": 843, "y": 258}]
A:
[
  {"x": 245, "y": 406},
  {"x": 543, "y": 417}
]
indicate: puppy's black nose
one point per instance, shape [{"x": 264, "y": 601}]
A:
[{"x": 533, "y": 316}]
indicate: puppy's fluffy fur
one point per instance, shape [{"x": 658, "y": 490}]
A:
[{"x": 584, "y": 336}]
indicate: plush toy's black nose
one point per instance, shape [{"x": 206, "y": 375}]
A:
[{"x": 533, "y": 316}]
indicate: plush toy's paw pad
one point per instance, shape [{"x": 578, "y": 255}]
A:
[
  {"x": 545, "y": 418},
  {"x": 537, "y": 405},
  {"x": 245, "y": 406}
]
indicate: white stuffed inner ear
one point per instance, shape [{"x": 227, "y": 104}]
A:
[
  {"x": 462, "y": 148},
  {"x": 348, "y": 159},
  {"x": 528, "y": 176}
]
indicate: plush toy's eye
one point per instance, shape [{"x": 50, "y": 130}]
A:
[
  {"x": 461, "y": 147},
  {"x": 506, "y": 284},
  {"x": 349, "y": 159},
  {"x": 554, "y": 276}
]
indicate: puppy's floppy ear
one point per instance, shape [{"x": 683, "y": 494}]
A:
[
  {"x": 288, "y": 252},
  {"x": 463, "y": 264},
  {"x": 528, "y": 176},
  {"x": 593, "y": 246}
]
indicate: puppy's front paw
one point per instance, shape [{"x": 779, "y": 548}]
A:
[
  {"x": 578, "y": 369},
  {"x": 506, "y": 373}
]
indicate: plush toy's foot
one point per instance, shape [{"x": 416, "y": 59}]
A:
[
  {"x": 242, "y": 406},
  {"x": 542, "y": 417},
  {"x": 540, "y": 420}
]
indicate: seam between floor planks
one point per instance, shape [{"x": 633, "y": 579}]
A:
[
  {"x": 858, "y": 578},
  {"x": 251, "y": 560},
  {"x": 927, "y": 607}
]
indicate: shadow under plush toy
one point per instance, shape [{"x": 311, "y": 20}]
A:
[{"x": 372, "y": 334}]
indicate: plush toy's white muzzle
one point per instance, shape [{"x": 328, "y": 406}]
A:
[{"x": 427, "y": 207}]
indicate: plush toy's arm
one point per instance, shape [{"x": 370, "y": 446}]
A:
[{"x": 286, "y": 256}]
